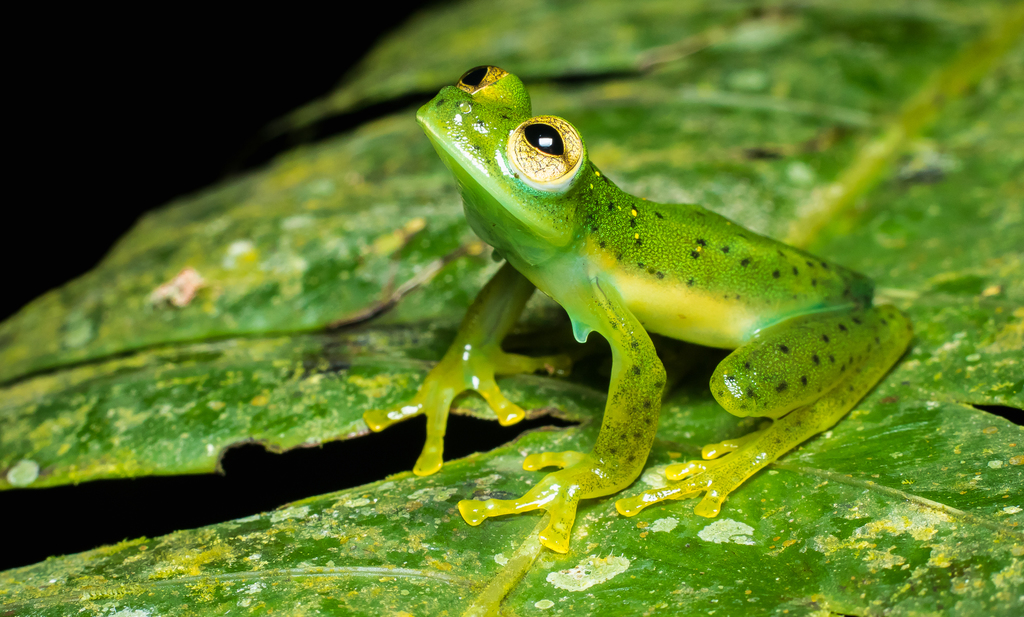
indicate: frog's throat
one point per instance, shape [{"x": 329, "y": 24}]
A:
[{"x": 503, "y": 223}]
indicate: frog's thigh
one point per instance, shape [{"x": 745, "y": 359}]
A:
[
  {"x": 883, "y": 335},
  {"x": 794, "y": 363}
]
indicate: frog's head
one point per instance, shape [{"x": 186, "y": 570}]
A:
[{"x": 517, "y": 173}]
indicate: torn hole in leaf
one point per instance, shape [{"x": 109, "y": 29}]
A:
[{"x": 1010, "y": 413}]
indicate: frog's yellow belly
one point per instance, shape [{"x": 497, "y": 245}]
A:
[{"x": 686, "y": 313}]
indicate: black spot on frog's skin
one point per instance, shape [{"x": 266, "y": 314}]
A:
[
  {"x": 776, "y": 274},
  {"x": 611, "y": 206},
  {"x": 639, "y": 242},
  {"x": 730, "y": 378},
  {"x": 695, "y": 254},
  {"x": 809, "y": 264},
  {"x": 637, "y": 435},
  {"x": 842, "y": 327},
  {"x": 814, "y": 282},
  {"x": 831, "y": 358},
  {"x": 878, "y": 341},
  {"x": 636, "y": 369},
  {"x": 505, "y": 116},
  {"x": 803, "y": 380},
  {"x": 440, "y": 102},
  {"x": 783, "y": 349},
  {"x": 746, "y": 365},
  {"x": 618, "y": 256},
  {"x": 634, "y": 344},
  {"x": 750, "y": 393},
  {"x": 745, "y": 263},
  {"x": 781, "y": 254},
  {"x": 659, "y": 215},
  {"x": 632, "y": 222},
  {"x": 690, "y": 282},
  {"x": 640, "y": 265},
  {"x": 842, "y": 369},
  {"x": 856, "y": 321},
  {"x": 647, "y": 404},
  {"x": 725, "y": 249},
  {"x": 884, "y": 322},
  {"x": 603, "y": 243},
  {"x": 824, "y": 265},
  {"x": 825, "y": 338},
  {"x": 816, "y": 359},
  {"x": 593, "y": 228},
  {"x": 795, "y": 271},
  {"x": 660, "y": 275},
  {"x": 701, "y": 242},
  {"x": 781, "y": 387},
  {"x": 651, "y": 270}
]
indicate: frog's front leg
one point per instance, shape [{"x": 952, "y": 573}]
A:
[
  {"x": 805, "y": 374},
  {"x": 471, "y": 363},
  {"x": 627, "y": 431}
]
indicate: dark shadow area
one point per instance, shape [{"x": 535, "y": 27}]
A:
[
  {"x": 71, "y": 519},
  {"x": 109, "y": 122},
  {"x": 1010, "y": 413}
]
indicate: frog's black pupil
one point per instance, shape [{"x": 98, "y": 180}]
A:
[
  {"x": 474, "y": 76},
  {"x": 545, "y": 138}
]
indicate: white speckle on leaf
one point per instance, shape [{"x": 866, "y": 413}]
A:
[
  {"x": 239, "y": 249},
  {"x": 896, "y": 454},
  {"x": 995, "y": 464},
  {"x": 655, "y": 477},
  {"x": 665, "y": 524},
  {"x": 254, "y": 588},
  {"x": 130, "y": 612},
  {"x": 589, "y": 572},
  {"x": 433, "y": 493},
  {"x": 1011, "y": 509},
  {"x": 543, "y": 604},
  {"x": 357, "y": 503},
  {"x": 727, "y": 530},
  {"x": 501, "y": 559},
  {"x": 287, "y": 513},
  {"x": 24, "y": 473}
]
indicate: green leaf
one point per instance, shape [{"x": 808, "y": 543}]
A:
[{"x": 887, "y": 138}]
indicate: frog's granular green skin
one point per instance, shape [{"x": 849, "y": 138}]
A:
[{"x": 809, "y": 345}]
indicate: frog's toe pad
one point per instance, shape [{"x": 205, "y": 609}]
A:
[{"x": 473, "y": 512}]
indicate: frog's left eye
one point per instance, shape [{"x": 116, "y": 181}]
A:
[
  {"x": 546, "y": 151},
  {"x": 478, "y": 78}
]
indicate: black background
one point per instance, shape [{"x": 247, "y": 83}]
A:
[{"x": 111, "y": 115}]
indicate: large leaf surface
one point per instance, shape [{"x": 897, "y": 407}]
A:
[{"x": 910, "y": 504}]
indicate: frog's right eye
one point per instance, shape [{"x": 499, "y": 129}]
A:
[
  {"x": 546, "y": 151},
  {"x": 478, "y": 78}
]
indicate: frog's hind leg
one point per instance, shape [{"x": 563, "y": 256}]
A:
[{"x": 805, "y": 374}]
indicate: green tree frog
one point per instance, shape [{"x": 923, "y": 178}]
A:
[{"x": 808, "y": 344}]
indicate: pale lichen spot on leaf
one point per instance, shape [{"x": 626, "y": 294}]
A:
[
  {"x": 23, "y": 473},
  {"x": 655, "y": 477},
  {"x": 727, "y": 530},
  {"x": 589, "y": 572},
  {"x": 664, "y": 524},
  {"x": 433, "y": 493},
  {"x": 298, "y": 513},
  {"x": 543, "y": 604}
]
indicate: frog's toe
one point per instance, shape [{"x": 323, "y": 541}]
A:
[
  {"x": 431, "y": 458},
  {"x": 507, "y": 411},
  {"x": 715, "y": 450},
  {"x": 680, "y": 471},
  {"x": 380, "y": 419},
  {"x": 540, "y": 460},
  {"x": 631, "y": 506}
]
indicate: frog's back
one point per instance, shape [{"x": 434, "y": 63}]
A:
[{"x": 694, "y": 275}]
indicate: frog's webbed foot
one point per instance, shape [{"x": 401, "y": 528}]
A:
[
  {"x": 456, "y": 373},
  {"x": 558, "y": 493},
  {"x": 717, "y": 478}
]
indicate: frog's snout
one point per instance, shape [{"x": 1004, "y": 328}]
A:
[{"x": 448, "y": 97}]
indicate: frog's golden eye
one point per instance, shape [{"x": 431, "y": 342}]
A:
[
  {"x": 546, "y": 151},
  {"x": 478, "y": 78}
]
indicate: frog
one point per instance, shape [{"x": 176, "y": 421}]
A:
[{"x": 807, "y": 342}]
